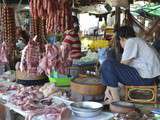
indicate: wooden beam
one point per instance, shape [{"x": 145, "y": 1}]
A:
[
  {"x": 117, "y": 25},
  {"x": 117, "y": 18}
]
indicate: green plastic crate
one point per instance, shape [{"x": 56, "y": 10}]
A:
[{"x": 61, "y": 82}]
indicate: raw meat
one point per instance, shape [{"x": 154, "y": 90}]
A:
[
  {"x": 26, "y": 97},
  {"x": 3, "y": 55},
  {"x": 31, "y": 56},
  {"x": 51, "y": 113},
  {"x": 56, "y": 58}
]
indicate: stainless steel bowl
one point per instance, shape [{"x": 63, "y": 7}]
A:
[
  {"x": 86, "y": 106},
  {"x": 86, "y": 114},
  {"x": 86, "y": 109},
  {"x": 83, "y": 109}
]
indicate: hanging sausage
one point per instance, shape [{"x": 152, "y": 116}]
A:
[
  {"x": 8, "y": 34},
  {"x": 56, "y": 12}
]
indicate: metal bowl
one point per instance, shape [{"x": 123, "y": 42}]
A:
[
  {"x": 85, "y": 110},
  {"x": 86, "y": 106},
  {"x": 86, "y": 114}
]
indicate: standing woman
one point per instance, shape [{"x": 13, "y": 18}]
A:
[
  {"x": 140, "y": 64},
  {"x": 71, "y": 39}
]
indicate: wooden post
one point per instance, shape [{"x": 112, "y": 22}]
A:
[
  {"x": 117, "y": 25},
  {"x": 118, "y": 19},
  {"x": 9, "y": 29}
]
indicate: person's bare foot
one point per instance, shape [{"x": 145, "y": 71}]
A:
[
  {"x": 111, "y": 95},
  {"x": 108, "y": 97}
]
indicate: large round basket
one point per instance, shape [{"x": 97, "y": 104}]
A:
[
  {"x": 87, "y": 86},
  {"x": 28, "y": 79}
]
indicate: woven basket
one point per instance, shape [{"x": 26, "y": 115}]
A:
[
  {"x": 119, "y": 3},
  {"x": 27, "y": 76},
  {"x": 90, "y": 87}
]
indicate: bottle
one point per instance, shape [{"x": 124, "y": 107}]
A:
[
  {"x": 52, "y": 73},
  {"x": 2, "y": 69}
]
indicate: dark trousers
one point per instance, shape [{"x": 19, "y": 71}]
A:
[{"x": 113, "y": 73}]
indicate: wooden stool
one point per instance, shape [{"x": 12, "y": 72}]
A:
[{"x": 141, "y": 91}]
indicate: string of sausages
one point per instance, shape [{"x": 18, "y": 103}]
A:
[
  {"x": 57, "y": 13},
  {"x": 8, "y": 34},
  {"x": 38, "y": 28}
]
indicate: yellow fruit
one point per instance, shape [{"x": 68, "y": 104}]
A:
[{"x": 94, "y": 44}]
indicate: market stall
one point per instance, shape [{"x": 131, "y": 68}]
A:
[{"x": 53, "y": 107}]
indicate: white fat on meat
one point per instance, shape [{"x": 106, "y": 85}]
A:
[
  {"x": 23, "y": 57},
  {"x": 3, "y": 55},
  {"x": 51, "y": 113}
]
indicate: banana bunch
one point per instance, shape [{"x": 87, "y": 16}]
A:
[
  {"x": 85, "y": 43},
  {"x": 96, "y": 44}
]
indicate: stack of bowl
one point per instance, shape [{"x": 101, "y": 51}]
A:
[{"x": 86, "y": 109}]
